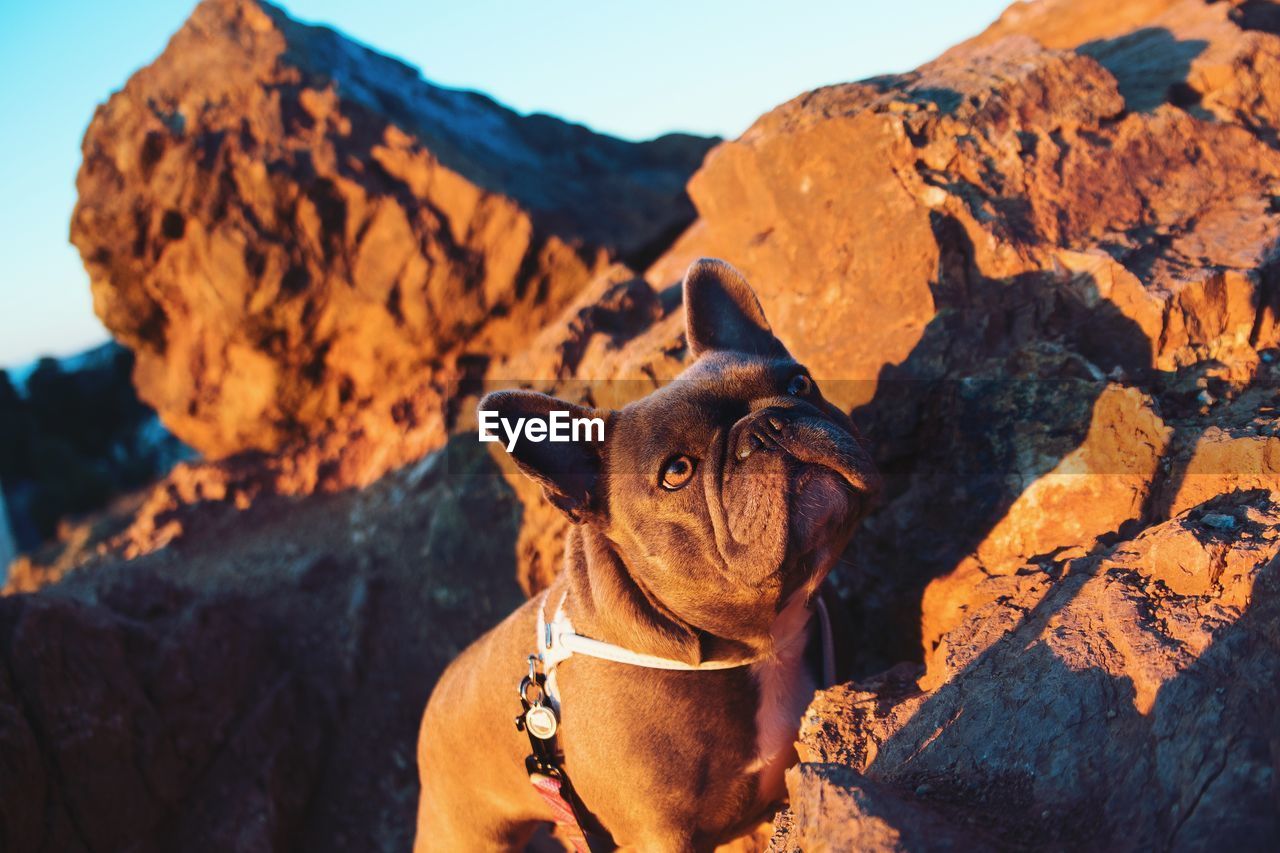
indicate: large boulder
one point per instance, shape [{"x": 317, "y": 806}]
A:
[
  {"x": 258, "y": 687},
  {"x": 1003, "y": 261},
  {"x": 1120, "y": 699},
  {"x": 1008, "y": 184},
  {"x": 285, "y": 225}
]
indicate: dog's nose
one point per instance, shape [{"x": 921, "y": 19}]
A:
[{"x": 758, "y": 432}]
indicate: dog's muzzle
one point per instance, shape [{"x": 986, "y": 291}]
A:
[{"x": 809, "y": 439}]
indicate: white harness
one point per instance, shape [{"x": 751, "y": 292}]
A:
[{"x": 557, "y": 642}]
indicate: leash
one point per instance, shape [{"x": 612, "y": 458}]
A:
[
  {"x": 540, "y": 715},
  {"x": 545, "y": 764}
]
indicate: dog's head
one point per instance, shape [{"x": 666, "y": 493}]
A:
[{"x": 725, "y": 491}]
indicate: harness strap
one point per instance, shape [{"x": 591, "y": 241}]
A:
[
  {"x": 545, "y": 764},
  {"x": 550, "y": 789}
]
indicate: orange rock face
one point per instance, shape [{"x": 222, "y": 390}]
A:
[
  {"x": 1116, "y": 695},
  {"x": 287, "y": 227},
  {"x": 1006, "y": 182},
  {"x": 966, "y": 253},
  {"x": 1113, "y": 568}
]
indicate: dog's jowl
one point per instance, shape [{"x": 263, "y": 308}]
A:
[{"x": 659, "y": 681}]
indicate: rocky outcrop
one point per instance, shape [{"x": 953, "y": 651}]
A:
[
  {"x": 288, "y": 228},
  {"x": 1118, "y": 698},
  {"x": 1001, "y": 260},
  {"x": 1019, "y": 183},
  {"x": 258, "y": 688},
  {"x": 1010, "y": 183}
]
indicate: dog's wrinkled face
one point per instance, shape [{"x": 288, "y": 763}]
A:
[{"x": 727, "y": 490}]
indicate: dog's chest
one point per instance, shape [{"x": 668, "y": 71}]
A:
[{"x": 785, "y": 686}]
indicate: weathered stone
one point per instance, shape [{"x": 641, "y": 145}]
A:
[
  {"x": 286, "y": 226},
  {"x": 259, "y": 686},
  {"x": 872, "y": 817},
  {"x": 1238, "y": 449},
  {"x": 1006, "y": 183},
  {"x": 1116, "y": 698},
  {"x": 1093, "y": 490}
]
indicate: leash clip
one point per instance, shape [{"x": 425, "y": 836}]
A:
[
  {"x": 545, "y": 762},
  {"x": 538, "y": 719}
]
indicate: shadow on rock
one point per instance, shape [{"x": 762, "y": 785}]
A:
[
  {"x": 259, "y": 683},
  {"x": 1000, "y": 390},
  {"x": 1122, "y": 703},
  {"x": 1150, "y": 65}
]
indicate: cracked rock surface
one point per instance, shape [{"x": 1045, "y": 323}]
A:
[
  {"x": 287, "y": 227},
  {"x": 1125, "y": 696}
]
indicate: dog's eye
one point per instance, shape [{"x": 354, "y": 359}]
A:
[
  {"x": 800, "y": 385},
  {"x": 677, "y": 471}
]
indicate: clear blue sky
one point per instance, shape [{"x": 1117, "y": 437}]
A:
[{"x": 632, "y": 69}]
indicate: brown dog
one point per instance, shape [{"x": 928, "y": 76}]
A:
[{"x": 704, "y": 523}]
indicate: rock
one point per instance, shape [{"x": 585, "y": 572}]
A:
[
  {"x": 1110, "y": 472},
  {"x": 1218, "y": 57},
  {"x": 1240, "y": 449},
  {"x": 1218, "y": 521},
  {"x": 286, "y": 226},
  {"x": 259, "y": 687},
  {"x": 1093, "y": 490},
  {"x": 972, "y": 187},
  {"x": 585, "y": 339},
  {"x": 871, "y": 817},
  {"x": 1114, "y": 699},
  {"x": 140, "y": 723}
]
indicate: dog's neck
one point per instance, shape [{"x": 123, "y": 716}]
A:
[{"x": 607, "y": 602}]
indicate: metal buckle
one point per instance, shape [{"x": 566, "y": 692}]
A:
[{"x": 539, "y": 719}]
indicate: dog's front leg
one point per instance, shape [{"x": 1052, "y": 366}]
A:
[
  {"x": 475, "y": 792},
  {"x": 467, "y": 801}
]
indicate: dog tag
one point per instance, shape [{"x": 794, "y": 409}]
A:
[{"x": 541, "y": 722}]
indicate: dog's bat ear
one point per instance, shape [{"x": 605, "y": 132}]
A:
[
  {"x": 721, "y": 312},
  {"x": 568, "y": 471}
]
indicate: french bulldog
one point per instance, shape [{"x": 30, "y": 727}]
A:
[{"x": 703, "y": 526}]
